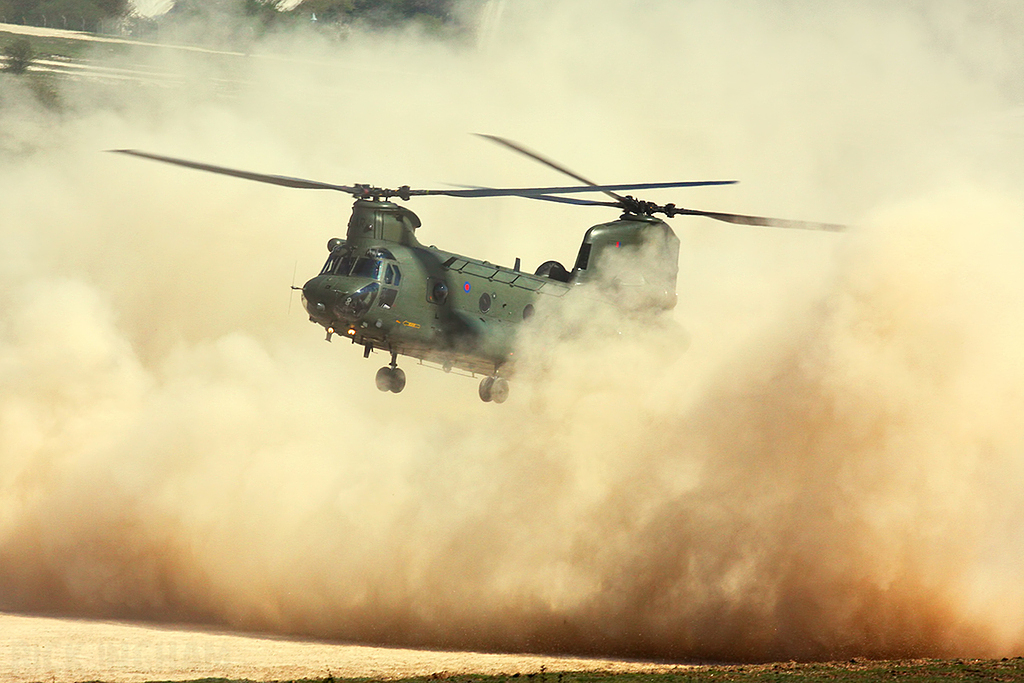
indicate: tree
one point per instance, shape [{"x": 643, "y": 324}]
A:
[
  {"x": 435, "y": 14},
  {"x": 18, "y": 56},
  {"x": 264, "y": 10},
  {"x": 379, "y": 12},
  {"x": 64, "y": 13},
  {"x": 325, "y": 10}
]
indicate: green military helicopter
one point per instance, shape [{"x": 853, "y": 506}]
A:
[{"x": 382, "y": 289}]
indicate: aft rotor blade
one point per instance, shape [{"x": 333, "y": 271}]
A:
[
  {"x": 571, "y": 189},
  {"x": 762, "y": 221},
  {"x": 547, "y": 162},
  {"x": 285, "y": 181}
]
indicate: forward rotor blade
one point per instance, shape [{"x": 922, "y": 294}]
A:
[
  {"x": 762, "y": 221},
  {"x": 570, "y": 200},
  {"x": 547, "y": 162},
  {"x": 571, "y": 189},
  {"x": 541, "y": 193},
  {"x": 284, "y": 181}
]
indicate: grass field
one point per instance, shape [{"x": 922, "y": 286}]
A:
[
  {"x": 854, "y": 671},
  {"x": 94, "y": 47},
  {"x": 109, "y": 61},
  {"x": 55, "y": 46}
]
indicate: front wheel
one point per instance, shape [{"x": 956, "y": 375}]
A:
[
  {"x": 499, "y": 390},
  {"x": 485, "y": 389},
  {"x": 384, "y": 378},
  {"x": 493, "y": 389},
  {"x": 397, "y": 380}
]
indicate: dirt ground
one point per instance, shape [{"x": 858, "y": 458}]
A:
[{"x": 68, "y": 650}]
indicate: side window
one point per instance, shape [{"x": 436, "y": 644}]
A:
[
  {"x": 387, "y": 297},
  {"x": 393, "y": 276},
  {"x": 437, "y": 291},
  {"x": 583, "y": 258}
]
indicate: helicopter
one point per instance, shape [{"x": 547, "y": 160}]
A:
[{"x": 382, "y": 289}]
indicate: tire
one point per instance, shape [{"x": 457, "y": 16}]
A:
[
  {"x": 485, "y": 389},
  {"x": 383, "y": 379},
  {"x": 397, "y": 380},
  {"x": 499, "y": 390}
]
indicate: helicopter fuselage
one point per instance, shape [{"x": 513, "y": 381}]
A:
[{"x": 383, "y": 290}]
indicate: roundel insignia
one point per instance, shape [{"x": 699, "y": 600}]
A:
[{"x": 466, "y": 287}]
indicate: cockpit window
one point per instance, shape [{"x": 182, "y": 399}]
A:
[
  {"x": 358, "y": 303},
  {"x": 387, "y": 297},
  {"x": 339, "y": 263},
  {"x": 367, "y": 267},
  {"x": 380, "y": 253},
  {"x": 393, "y": 276},
  {"x": 332, "y": 263}
]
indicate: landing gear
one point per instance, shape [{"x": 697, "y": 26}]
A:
[
  {"x": 493, "y": 389},
  {"x": 391, "y": 377}
]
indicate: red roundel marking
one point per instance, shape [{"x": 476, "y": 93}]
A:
[{"x": 466, "y": 287}]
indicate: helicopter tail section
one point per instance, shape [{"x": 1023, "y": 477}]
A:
[{"x": 634, "y": 261}]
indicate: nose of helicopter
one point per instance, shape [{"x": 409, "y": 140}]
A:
[
  {"x": 319, "y": 298},
  {"x": 331, "y": 300}
]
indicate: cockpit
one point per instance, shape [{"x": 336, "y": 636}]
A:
[
  {"x": 367, "y": 264},
  {"x": 378, "y": 265}
]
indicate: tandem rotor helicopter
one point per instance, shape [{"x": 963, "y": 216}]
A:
[{"x": 382, "y": 289}]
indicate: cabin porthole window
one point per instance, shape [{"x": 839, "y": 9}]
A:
[
  {"x": 485, "y": 302},
  {"x": 439, "y": 293}
]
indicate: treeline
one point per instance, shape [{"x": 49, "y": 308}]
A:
[
  {"x": 91, "y": 14},
  {"x": 80, "y": 15},
  {"x": 376, "y": 12}
]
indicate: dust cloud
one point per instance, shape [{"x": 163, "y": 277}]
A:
[{"x": 817, "y": 455}]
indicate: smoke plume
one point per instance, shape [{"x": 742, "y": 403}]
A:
[{"x": 818, "y": 454}]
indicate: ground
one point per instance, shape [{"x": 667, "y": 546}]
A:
[
  {"x": 59, "y": 650},
  {"x": 63, "y": 650}
]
